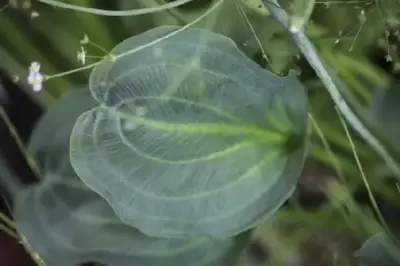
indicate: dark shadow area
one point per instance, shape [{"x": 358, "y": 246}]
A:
[{"x": 23, "y": 113}]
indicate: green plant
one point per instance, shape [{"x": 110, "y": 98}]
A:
[
  {"x": 244, "y": 118},
  {"x": 181, "y": 146}
]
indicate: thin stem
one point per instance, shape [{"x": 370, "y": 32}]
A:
[
  {"x": 8, "y": 231},
  {"x": 8, "y": 180},
  {"x": 331, "y": 154},
  {"x": 94, "y": 56},
  {"x": 357, "y": 34},
  {"x": 359, "y": 165},
  {"x": 247, "y": 21},
  {"x": 72, "y": 71},
  {"x": 199, "y": 18},
  {"x": 116, "y": 13},
  {"x": 12, "y": 129},
  {"x": 98, "y": 47},
  {"x": 20, "y": 144},
  {"x": 7, "y": 221},
  {"x": 341, "y": 99},
  {"x": 211, "y": 9},
  {"x": 301, "y": 11}
]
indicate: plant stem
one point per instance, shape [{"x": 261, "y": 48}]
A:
[
  {"x": 116, "y": 13},
  {"x": 339, "y": 95},
  {"x": 8, "y": 181},
  {"x": 13, "y": 132},
  {"x": 9, "y": 232}
]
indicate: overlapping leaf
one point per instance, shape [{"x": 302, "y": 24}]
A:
[
  {"x": 378, "y": 250},
  {"x": 68, "y": 224},
  {"x": 190, "y": 137}
]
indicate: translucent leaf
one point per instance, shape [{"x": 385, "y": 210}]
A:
[
  {"x": 50, "y": 138},
  {"x": 379, "y": 250},
  {"x": 191, "y": 137},
  {"x": 236, "y": 29},
  {"x": 68, "y": 224}
]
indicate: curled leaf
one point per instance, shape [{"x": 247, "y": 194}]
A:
[
  {"x": 68, "y": 224},
  {"x": 190, "y": 137}
]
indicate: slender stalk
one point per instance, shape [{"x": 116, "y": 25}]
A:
[
  {"x": 8, "y": 181},
  {"x": 335, "y": 87},
  {"x": 334, "y": 160},
  {"x": 136, "y": 49},
  {"x": 8, "y": 231},
  {"x": 19, "y": 142},
  {"x": 116, "y": 13},
  {"x": 7, "y": 221},
  {"x": 360, "y": 167}
]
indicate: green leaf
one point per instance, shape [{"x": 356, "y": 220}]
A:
[
  {"x": 68, "y": 224},
  {"x": 191, "y": 137},
  {"x": 385, "y": 108},
  {"x": 379, "y": 250}
]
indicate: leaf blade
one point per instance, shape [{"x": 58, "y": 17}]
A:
[
  {"x": 183, "y": 107},
  {"x": 68, "y": 224}
]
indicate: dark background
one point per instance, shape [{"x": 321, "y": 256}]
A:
[{"x": 23, "y": 113}]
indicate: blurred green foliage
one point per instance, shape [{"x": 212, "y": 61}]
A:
[{"x": 348, "y": 34}]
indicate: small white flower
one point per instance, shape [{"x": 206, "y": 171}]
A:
[
  {"x": 34, "y": 68},
  {"x": 34, "y": 14},
  {"x": 388, "y": 58},
  {"x": 85, "y": 39},
  {"x": 36, "y": 79},
  {"x": 81, "y": 55}
]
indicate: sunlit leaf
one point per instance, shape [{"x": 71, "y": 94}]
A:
[
  {"x": 379, "y": 250},
  {"x": 190, "y": 137},
  {"x": 68, "y": 224}
]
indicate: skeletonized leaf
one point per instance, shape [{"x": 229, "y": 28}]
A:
[
  {"x": 49, "y": 142},
  {"x": 379, "y": 250},
  {"x": 66, "y": 223},
  {"x": 191, "y": 137}
]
